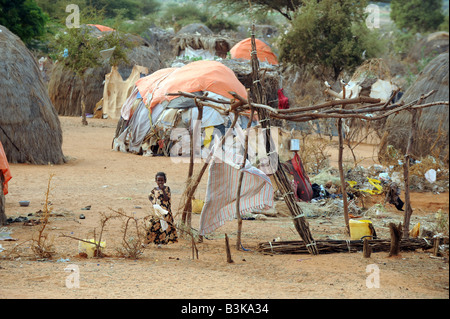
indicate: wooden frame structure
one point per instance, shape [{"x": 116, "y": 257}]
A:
[{"x": 361, "y": 107}]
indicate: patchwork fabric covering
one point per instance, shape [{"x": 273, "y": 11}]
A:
[
  {"x": 164, "y": 112},
  {"x": 221, "y": 193}
]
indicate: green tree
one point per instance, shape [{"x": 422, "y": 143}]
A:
[
  {"x": 23, "y": 18},
  {"x": 181, "y": 15},
  {"x": 286, "y": 8},
  {"x": 130, "y": 9},
  {"x": 417, "y": 15},
  {"x": 56, "y": 9},
  {"x": 331, "y": 34}
]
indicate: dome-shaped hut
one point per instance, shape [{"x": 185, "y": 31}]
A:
[
  {"x": 432, "y": 135},
  {"x": 30, "y": 130}
]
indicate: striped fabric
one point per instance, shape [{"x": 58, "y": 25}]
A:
[{"x": 221, "y": 192}]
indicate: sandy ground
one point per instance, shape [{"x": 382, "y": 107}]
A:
[{"x": 105, "y": 180}]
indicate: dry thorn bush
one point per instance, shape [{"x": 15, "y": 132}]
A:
[
  {"x": 97, "y": 240},
  {"x": 42, "y": 243},
  {"x": 314, "y": 153},
  {"x": 134, "y": 233}
]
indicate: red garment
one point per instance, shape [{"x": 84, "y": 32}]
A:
[
  {"x": 4, "y": 168},
  {"x": 283, "y": 101},
  {"x": 304, "y": 182}
]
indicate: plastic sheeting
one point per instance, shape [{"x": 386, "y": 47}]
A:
[
  {"x": 199, "y": 53},
  {"x": 243, "y": 49},
  {"x": 199, "y": 76}
]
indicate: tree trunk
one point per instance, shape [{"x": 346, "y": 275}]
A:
[{"x": 83, "y": 102}]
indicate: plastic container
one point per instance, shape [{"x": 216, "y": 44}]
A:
[
  {"x": 197, "y": 206},
  {"x": 415, "y": 231},
  {"x": 295, "y": 145},
  {"x": 359, "y": 228},
  {"x": 89, "y": 248}
]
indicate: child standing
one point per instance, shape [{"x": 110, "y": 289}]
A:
[{"x": 161, "y": 231}]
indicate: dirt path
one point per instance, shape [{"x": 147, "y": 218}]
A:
[{"x": 105, "y": 180}]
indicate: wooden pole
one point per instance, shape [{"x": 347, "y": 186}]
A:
[
  {"x": 193, "y": 185},
  {"x": 83, "y": 99},
  {"x": 194, "y": 247},
  {"x": 283, "y": 184},
  {"x": 186, "y": 217},
  {"x": 396, "y": 236},
  {"x": 342, "y": 176},
  {"x": 341, "y": 169},
  {"x": 366, "y": 248},
  {"x": 241, "y": 176},
  {"x": 408, "y": 208},
  {"x": 227, "y": 249},
  {"x": 436, "y": 242}
]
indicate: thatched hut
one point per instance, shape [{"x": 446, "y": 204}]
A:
[
  {"x": 30, "y": 130},
  {"x": 429, "y": 46},
  {"x": 198, "y": 37},
  {"x": 432, "y": 135},
  {"x": 64, "y": 87},
  {"x": 160, "y": 40},
  {"x": 195, "y": 28}
]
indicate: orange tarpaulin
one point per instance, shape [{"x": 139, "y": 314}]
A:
[
  {"x": 102, "y": 28},
  {"x": 148, "y": 84},
  {"x": 197, "y": 76},
  {"x": 243, "y": 49},
  {"x": 4, "y": 168}
]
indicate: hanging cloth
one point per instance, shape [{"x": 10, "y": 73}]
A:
[{"x": 283, "y": 101}]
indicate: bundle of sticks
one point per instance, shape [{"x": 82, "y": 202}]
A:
[{"x": 342, "y": 246}]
